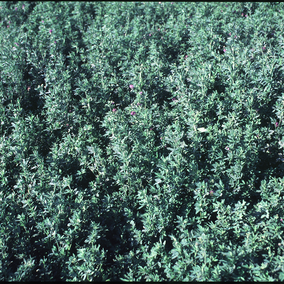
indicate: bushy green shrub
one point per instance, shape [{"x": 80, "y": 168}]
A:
[{"x": 141, "y": 141}]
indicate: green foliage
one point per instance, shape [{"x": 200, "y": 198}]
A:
[{"x": 141, "y": 141}]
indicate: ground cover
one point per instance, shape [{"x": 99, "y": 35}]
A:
[{"x": 141, "y": 141}]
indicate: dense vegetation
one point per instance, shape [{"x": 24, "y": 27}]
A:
[{"x": 141, "y": 141}]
